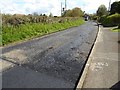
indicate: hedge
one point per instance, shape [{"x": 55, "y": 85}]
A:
[{"x": 109, "y": 21}]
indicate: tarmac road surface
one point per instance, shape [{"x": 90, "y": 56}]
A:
[{"x": 53, "y": 61}]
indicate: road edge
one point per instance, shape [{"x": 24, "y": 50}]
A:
[{"x": 83, "y": 76}]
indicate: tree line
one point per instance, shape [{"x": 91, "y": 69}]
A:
[{"x": 109, "y": 17}]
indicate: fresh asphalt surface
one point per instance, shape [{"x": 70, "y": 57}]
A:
[{"x": 54, "y": 61}]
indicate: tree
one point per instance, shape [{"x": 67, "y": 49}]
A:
[
  {"x": 68, "y": 13},
  {"x": 51, "y": 15},
  {"x": 35, "y": 14},
  {"x": 115, "y": 7},
  {"x": 41, "y": 15},
  {"x": 102, "y": 10},
  {"x": 44, "y": 15},
  {"x": 75, "y": 12}
]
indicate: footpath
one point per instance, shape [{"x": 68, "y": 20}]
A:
[{"x": 103, "y": 65}]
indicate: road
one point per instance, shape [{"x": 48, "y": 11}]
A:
[{"x": 53, "y": 61}]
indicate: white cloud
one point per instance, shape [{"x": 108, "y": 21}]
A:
[
  {"x": 47, "y": 6},
  {"x": 30, "y": 6},
  {"x": 9, "y": 6},
  {"x": 92, "y": 5}
]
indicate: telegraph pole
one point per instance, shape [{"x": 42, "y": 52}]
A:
[
  {"x": 109, "y": 5},
  {"x": 61, "y": 9},
  {"x": 65, "y": 5}
]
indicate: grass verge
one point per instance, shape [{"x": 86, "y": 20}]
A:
[
  {"x": 12, "y": 34},
  {"x": 116, "y": 30}
]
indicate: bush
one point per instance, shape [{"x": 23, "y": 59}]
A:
[
  {"x": 115, "y": 18},
  {"x": 112, "y": 20},
  {"x": 95, "y": 18},
  {"x": 119, "y": 26},
  {"x": 101, "y": 19},
  {"x": 107, "y": 22}
]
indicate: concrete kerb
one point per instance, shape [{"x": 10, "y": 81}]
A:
[{"x": 81, "y": 81}]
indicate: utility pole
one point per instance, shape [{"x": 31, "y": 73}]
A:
[
  {"x": 109, "y": 5},
  {"x": 65, "y": 5},
  {"x": 61, "y": 9}
]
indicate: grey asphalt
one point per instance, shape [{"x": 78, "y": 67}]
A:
[
  {"x": 104, "y": 62},
  {"x": 54, "y": 61}
]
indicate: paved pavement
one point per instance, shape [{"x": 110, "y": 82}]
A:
[
  {"x": 54, "y": 61},
  {"x": 103, "y": 64}
]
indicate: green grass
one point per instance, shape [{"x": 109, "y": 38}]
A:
[
  {"x": 12, "y": 34},
  {"x": 116, "y": 30}
]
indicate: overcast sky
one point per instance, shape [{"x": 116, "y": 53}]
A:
[{"x": 47, "y": 6}]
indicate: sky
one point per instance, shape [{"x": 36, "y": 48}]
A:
[{"x": 49, "y": 6}]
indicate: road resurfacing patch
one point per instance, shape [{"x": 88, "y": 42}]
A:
[
  {"x": 4, "y": 65},
  {"x": 17, "y": 56}
]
